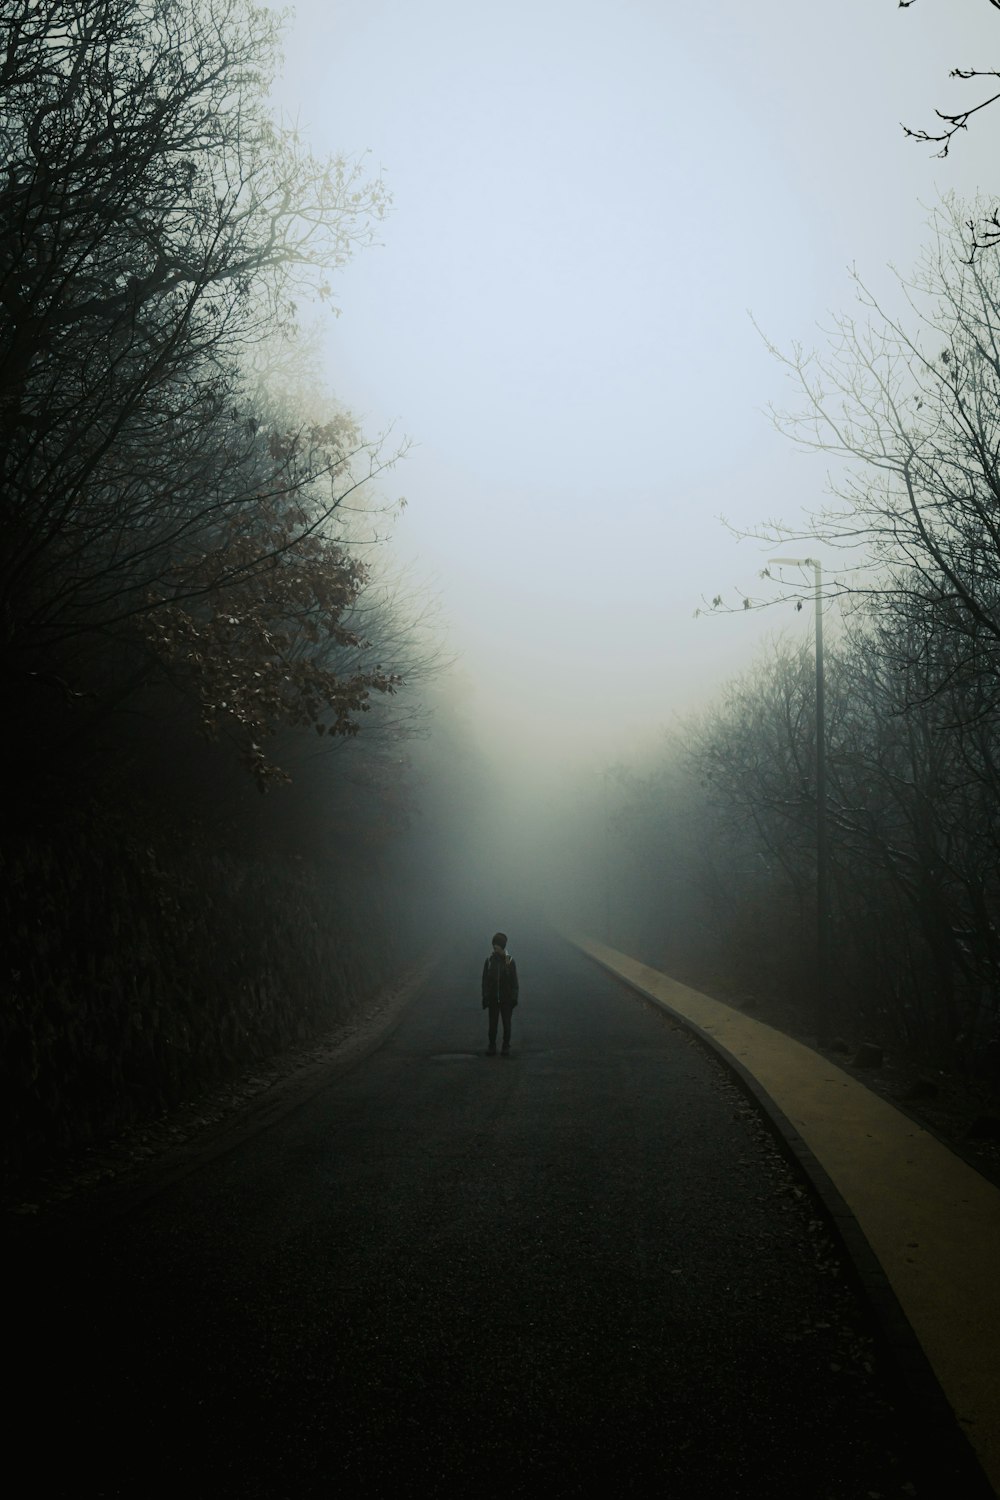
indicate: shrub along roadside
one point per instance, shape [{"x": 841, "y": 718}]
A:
[{"x": 144, "y": 968}]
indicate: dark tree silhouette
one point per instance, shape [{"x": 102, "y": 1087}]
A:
[{"x": 155, "y": 225}]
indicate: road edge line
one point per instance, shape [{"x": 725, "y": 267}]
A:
[{"x": 896, "y": 1331}]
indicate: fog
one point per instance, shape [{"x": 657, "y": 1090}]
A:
[
  {"x": 283, "y": 754},
  {"x": 589, "y": 202},
  {"x": 228, "y": 652},
  {"x": 601, "y": 217}
]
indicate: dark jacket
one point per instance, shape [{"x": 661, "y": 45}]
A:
[{"x": 500, "y": 980}]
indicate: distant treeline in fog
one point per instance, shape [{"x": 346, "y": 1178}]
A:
[{"x": 705, "y": 859}]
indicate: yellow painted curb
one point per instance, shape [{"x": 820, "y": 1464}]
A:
[{"x": 932, "y": 1220}]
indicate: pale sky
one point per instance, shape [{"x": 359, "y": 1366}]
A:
[{"x": 589, "y": 200}]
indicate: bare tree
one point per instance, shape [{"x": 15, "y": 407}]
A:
[
  {"x": 984, "y": 230},
  {"x": 155, "y": 223},
  {"x": 908, "y": 407},
  {"x": 913, "y": 839}
]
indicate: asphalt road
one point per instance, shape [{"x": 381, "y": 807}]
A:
[{"x": 581, "y": 1267}]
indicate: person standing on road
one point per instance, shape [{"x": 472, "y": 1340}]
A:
[{"x": 499, "y": 990}]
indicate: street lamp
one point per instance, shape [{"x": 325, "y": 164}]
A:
[
  {"x": 822, "y": 853},
  {"x": 607, "y": 864}
]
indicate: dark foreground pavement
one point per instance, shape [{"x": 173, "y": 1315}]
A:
[{"x": 584, "y": 1267}]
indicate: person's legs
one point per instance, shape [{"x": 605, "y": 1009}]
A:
[
  {"x": 494, "y": 1013},
  {"x": 506, "y": 1011}
]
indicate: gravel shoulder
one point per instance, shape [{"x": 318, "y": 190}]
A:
[{"x": 140, "y": 1161}]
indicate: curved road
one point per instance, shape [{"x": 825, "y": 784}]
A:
[{"x": 581, "y": 1267}]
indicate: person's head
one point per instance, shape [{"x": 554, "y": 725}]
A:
[{"x": 499, "y": 942}]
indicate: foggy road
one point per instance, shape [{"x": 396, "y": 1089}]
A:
[{"x": 453, "y": 1274}]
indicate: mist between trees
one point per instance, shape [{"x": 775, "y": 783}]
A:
[
  {"x": 705, "y": 853},
  {"x": 223, "y": 822},
  {"x": 212, "y": 671}
]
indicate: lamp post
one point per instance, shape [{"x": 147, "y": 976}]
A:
[
  {"x": 822, "y": 854},
  {"x": 607, "y": 865}
]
